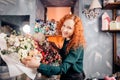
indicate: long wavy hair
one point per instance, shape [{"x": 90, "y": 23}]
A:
[{"x": 77, "y": 38}]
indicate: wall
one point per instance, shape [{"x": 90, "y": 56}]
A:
[
  {"x": 20, "y": 7},
  {"x": 76, "y": 8},
  {"x": 39, "y": 10},
  {"x": 15, "y": 22},
  {"x": 57, "y": 12},
  {"x": 98, "y": 52}
]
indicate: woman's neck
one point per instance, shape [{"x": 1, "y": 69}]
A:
[{"x": 67, "y": 39}]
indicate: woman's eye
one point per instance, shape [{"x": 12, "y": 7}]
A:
[
  {"x": 63, "y": 25},
  {"x": 69, "y": 28}
]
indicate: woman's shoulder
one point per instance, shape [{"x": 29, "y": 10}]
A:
[
  {"x": 80, "y": 47},
  {"x": 77, "y": 50}
]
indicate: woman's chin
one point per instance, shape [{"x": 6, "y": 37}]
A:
[{"x": 64, "y": 36}]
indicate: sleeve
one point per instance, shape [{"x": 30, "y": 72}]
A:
[{"x": 71, "y": 58}]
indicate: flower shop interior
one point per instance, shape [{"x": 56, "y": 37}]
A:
[{"x": 100, "y": 19}]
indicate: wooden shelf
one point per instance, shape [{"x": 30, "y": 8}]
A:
[
  {"x": 115, "y": 5},
  {"x": 111, "y": 30}
]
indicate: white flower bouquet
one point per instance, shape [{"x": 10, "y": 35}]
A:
[{"x": 13, "y": 48}]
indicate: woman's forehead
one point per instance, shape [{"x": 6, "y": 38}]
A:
[{"x": 69, "y": 22}]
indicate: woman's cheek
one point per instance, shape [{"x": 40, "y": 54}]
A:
[{"x": 61, "y": 29}]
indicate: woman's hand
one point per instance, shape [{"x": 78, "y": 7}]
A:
[{"x": 31, "y": 62}]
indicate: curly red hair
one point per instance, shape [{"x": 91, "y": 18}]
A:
[{"x": 77, "y": 38}]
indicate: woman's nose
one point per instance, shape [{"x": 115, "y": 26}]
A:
[{"x": 64, "y": 29}]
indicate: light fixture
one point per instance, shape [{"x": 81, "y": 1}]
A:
[
  {"x": 93, "y": 10},
  {"x": 26, "y": 29}
]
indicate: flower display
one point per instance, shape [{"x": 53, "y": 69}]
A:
[
  {"x": 35, "y": 46},
  {"x": 47, "y": 28}
]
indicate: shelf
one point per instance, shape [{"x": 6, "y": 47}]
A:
[
  {"x": 115, "y": 5},
  {"x": 111, "y": 30}
]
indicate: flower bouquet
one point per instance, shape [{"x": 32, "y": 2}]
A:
[
  {"x": 16, "y": 48},
  {"x": 19, "y": 47},
  {"x": 49, "y": 51}
]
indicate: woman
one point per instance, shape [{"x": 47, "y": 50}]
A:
[{"x": 72, "y": 52}]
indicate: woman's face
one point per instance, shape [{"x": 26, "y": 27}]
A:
[{"x": 67, "y": 29}]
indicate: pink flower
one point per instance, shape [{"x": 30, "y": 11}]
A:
[{"x": 109, "y": 78}]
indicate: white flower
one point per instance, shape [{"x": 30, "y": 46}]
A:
[
  {"x": 22, "y": 53},
  {"x": 11, "y": 49},
  {"x": 2, "y": 35},
  {"x": 17, "y": 42}
]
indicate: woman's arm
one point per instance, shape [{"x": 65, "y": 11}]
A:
[{"x": 71, "y": 59}]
